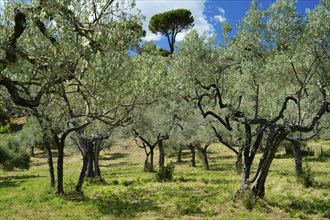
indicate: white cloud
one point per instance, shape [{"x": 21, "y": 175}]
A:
[
  {"x": 220, "y": 17},
  {"x": 150, "y": 7}
]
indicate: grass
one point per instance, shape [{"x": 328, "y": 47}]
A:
[{"x": 130, "y": 193}]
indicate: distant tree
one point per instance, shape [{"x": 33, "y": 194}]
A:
[
  {"x": 150, "y": 129},
  {"x": 171, "y": 23}
]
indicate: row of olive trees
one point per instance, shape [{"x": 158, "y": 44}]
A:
[
  {"x": 272, "y": 80},
  {"x": 66, "y": 63},
  {"x": 71, "y": 70},
  {"x": 266, "y": 85}
]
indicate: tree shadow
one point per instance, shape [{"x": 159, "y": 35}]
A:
[
  {"x": 310, "y": 206},
  {"x": 120, "y": 164},
  {"x": 38, "y": 164},
  {"x": 122, "y": 207},
  {"x": 23, "y": 177},
  {"x": 44, "y": 154},
  {"x": 8, "y": 184},
  {"x": 284, "y": 156},
  {"x": 40, "y": 155},
  {"x": 317, "y": 159},
  {"x": 76, "y": 197},
  {"x": 14, "y": 181},
  {"x": 216, "y": 181},
  {"x": 113, "y": 156},
  {"x": 222, "y": 167}
]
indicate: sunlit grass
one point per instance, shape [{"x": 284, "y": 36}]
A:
[{"x": 130, "y": 193}]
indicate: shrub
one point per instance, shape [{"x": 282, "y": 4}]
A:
[
  {"x": 11, "y": 156},
  {"x": 5, "y": 129},
  {"x": 165, "y": 174}
]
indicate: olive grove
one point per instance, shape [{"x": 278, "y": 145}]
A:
[{"x": 68, "y": 65}]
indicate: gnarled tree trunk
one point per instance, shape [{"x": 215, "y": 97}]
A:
[
  {"x": 275, "y": 137},
  {"x": 203, "y": 150},
  {"x": 82, "y": 174}
]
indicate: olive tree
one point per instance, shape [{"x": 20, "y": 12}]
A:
[
  {"x": 272, "y": 74},
  {"x": 56, "y": 53}
]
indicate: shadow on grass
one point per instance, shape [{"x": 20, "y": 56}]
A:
[
  {"x": 121, "y": 164},
  {"x": 75, "y": 197},
  {"x": 317, "y": 159},
  {"x": 220, "y": 157},
  {"x": 206, "y": 180},
  {"x": 312, "y": 206},
  {"x": 282, "y": 172},
  {"x": 44, "y": 154},
  {"x": 123, "y": 207},
  {"x": 23, "y": 177},
  {"x": 38, "y": 164},
  {"x": 113, "y": 156},
  {"x": 222, "y": 167},
  {"x": 8, "y": 184},
  {"x": 284, "y": 156},
  {"x": 14, "y": 181}
]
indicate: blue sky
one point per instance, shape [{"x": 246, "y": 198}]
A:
[{"x": 208, "y": 14}]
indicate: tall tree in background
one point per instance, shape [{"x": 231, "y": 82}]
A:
[{"x": 171, "y": 23}]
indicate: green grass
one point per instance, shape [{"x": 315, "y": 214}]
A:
[{"x": 130, "y": 193}]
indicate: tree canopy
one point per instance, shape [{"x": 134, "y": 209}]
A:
[{"x": 171, "y": 23}]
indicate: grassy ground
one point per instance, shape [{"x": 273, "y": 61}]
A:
[{"x": 130, "y": 193}]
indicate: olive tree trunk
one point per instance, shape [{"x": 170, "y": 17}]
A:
[
  {"x": 298, "y": 158},
  {"x": 50, "y": 163},
  {"x": 193, "y": 155},
  {"x": 161, "y": 154},
  {"x": 179, "y": 155}
]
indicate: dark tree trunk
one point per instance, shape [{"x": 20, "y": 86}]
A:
[
  {"x": 60, "y": 156},
  {"x": 246, "y": 170},
  {"x": 90, "y": 163},
  {"x": 193, "y": 155},
  {"x": 247, "y": 158},
  {"x": 146, "y": 163},
  {"x": 298, "y": 158},
  {"x": 32, "y": 151},
  {"x": 161, "y": 154},
  {"x": 82, "y": 175},
  {"x": 275, "y": 137},
  {"x": 288, "y": 149},
  {"x": 151, "y": 167},
  {"x": 248, "y": 153},
  {"x": 257, "y": 183},
  {"x": 97, "y": 150},
  {"x": 179, "y": 155},
  {"x": 50, "y": 163},
  {"x": 205, "y": 159},
  {"x": 239, "y": 159}
]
